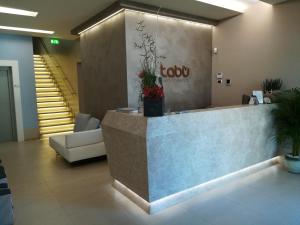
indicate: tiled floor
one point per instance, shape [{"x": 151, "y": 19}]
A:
[{"x": 48, "y": 191}]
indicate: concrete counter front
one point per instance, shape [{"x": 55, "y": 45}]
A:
[{"x": 158, "y": 162}]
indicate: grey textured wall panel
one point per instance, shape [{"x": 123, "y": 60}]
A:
[
  {"x": 103, "y": 67},
  {"x": 182, "y": 43}
]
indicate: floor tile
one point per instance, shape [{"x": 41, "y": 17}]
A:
[{"x": 47, "y": 190}]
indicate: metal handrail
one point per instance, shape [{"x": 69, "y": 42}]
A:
[
  {"x": 72, "y": 90},
  {"x": 61, "y": 79}
]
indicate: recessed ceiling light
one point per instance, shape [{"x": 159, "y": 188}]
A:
[
  {"x": 20, "y": 12},
  {"x": 27, "y": 30},
  {"x": 235, "y": 5}
]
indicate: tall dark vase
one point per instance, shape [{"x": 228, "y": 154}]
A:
[{"x": 153, "y": 107}]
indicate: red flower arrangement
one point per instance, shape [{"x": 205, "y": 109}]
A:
[
  {"x": 151, "y": 85},
  {"x": 153, "y": 92}
]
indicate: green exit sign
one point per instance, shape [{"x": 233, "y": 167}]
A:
[{"x": 54, "y": 41}]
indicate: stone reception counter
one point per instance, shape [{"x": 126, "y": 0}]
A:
[{"x": 159, "y": 162}]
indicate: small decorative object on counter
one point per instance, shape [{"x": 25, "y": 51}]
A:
[
  {"x": 253, "y": 100},
  {"x": 267, "y": 100},
  {"x": 152, "y": 91},
  {"x": 245, "y": 99},
  {"x": 271, "y": 85},
  {"x": 259, "y": 95}
]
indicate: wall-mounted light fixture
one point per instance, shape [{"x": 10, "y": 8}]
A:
[{"x": 121, "y": 6}]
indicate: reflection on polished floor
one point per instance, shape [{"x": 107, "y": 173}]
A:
[{"x": 47, "y": 190}]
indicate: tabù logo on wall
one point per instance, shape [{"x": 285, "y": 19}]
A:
[{"x": 174, "y": 71}]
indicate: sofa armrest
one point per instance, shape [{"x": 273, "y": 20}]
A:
[{"x": 83, "y": 138}]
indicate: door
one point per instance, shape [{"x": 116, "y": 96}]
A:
[{"x": 7, "y": 109}]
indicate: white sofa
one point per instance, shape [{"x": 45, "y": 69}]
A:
[{"x": 80, "y": 144}]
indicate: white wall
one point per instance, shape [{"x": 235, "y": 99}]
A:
[{"x": 264, "y": 42}]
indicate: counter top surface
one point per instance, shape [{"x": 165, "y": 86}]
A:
[{"x": 135, "y": 114}]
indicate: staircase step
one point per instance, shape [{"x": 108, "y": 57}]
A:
[
  {"x": 46, "y": 136},
  {"x": 56, "y": 129},
  {"x": 41, "y": 69},
  {"x": 38, "y": 62},
  {"x": 50, "y": 116},
  {"x": 48, "y": 94},
  {"x": 54, "y": 122},
  {"x": 47, "y": 85},
  {"x": 44, "y": 89},
  {"x": 40, "y": 65},
  {"x": 44, "y": 76},
  {"x": 50, "y": 104},
  {"x": 54, "y": 116},
  {"x": 53, "y": 109},
  {"x": 42, "y": 73},
  {"x": 49, "y": 99},
  {"x": 44, "y": 80}
]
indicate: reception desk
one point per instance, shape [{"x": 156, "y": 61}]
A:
[{"x": 158, "y": 162}]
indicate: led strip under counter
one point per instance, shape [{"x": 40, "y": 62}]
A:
[{"x": 171, "y": 200}]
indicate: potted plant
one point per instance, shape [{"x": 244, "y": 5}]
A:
[
  {"x": 152, "y": 91},
  {"x": 287, "y": 124},
  {"x": 271, "y": 85}
]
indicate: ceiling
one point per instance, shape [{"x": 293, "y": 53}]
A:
[{"x": 61, "y": 16}]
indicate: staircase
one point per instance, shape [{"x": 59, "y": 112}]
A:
[{"x": 54, "y": 115}]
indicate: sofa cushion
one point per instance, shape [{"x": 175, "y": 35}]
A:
[
  {"x": 92, "y": 124},
  {"x": 81, "y": 121},
  {"x": 6, "y": 207},
  {"x": 83, "y": 138}
]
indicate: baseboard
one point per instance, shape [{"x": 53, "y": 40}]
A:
[{"x": 31, "y": 134}]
